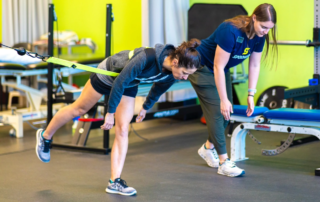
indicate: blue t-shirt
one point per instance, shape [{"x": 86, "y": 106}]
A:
[{"x": 232, "y": 40}]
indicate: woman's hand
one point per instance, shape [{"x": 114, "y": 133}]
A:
[
  {"x": 141, "y": 115},
  {"x": 108, "y": 121},
  {"x": 226, "y": 109},
  {"x": 250, "y": 108}
]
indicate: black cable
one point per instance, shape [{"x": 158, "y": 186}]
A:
[
  {"x": 21, "y": 51},
  {"x": 135, "y": 132}
]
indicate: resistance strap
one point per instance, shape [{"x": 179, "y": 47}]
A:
[
  {"x": 80, "y": 66},
  {"x": 150, "y": 52}
]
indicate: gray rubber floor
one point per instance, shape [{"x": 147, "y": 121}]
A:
[{"x": 166, "y": 167}]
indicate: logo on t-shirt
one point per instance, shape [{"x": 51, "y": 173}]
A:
[
  {"x": 246, "y": 51},
  {"x": 241, "y": 57},
  {"x": 240, "y": 39}
]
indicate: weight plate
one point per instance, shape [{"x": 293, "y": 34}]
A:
[{"x": 274, "y": 98}]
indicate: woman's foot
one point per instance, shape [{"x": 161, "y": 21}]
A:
[
  {"x": 210, "y": 156},
  {"x": 43, "y": 147},
  {"x": 119, "y": 186},
  {"x": 230, "y": 169}
]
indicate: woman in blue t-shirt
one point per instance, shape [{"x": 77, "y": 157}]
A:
[{"x": 234, "y": 40}]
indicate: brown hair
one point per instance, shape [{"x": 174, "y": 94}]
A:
[
  {"x": 264, "y": 12},
  {"x": 187, "y": 54}
]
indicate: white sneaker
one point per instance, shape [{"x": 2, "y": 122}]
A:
[
  {"x": 230, "y": 169},
  {"x": 210, "y": 156}
]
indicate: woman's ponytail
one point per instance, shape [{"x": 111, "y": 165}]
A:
[{"x": 187, "y": 54}]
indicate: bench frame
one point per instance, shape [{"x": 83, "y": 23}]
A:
[{"x": 238, "y": 139}]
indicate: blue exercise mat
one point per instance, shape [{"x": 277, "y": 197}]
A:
[
  {"x": 293, "y": 114},
  {"x": 240, "y": 110}
]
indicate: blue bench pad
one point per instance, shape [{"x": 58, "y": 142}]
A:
[{"x": 293, "y": 114}]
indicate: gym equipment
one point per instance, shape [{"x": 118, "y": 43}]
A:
[
  {"x": 272, "y": 98},
  {"x": 284, "y": 120},
  {"x": 16, "y": 117},
  {"x": 310, "y": 94},
  {"x": 63, "y": 63}
]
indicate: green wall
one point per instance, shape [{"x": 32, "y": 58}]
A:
[
  {"x": 295, "y": 64},
  {"x": 88, "y": 19}
]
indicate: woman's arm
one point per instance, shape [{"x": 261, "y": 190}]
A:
[
  {"x": 157, "y": 89},
  {"x": 155, "y": 92},
  {"x": 220, "y": 61},
  {"x": 254, "y": 69},
  {"x": 128, "y": 74}
]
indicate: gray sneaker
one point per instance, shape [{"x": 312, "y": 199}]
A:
[
  {"x": 43, "y": 147},
  {"x": 119, "y": 186}
]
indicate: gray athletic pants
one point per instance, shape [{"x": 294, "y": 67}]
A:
[{"x": 204, "y": 85}]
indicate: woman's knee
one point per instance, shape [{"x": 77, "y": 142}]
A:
[
  {"x": 78, "y": 110},
  {"x": 122, "y": 130}
]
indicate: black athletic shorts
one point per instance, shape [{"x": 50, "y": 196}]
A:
[{"x": 104, "y": 89}]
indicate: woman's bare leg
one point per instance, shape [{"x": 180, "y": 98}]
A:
[
  {"x": 88, "y": 98},
  {"x": 123, "y": 116}
]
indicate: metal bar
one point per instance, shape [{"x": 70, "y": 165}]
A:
[
  {"x": 106, "y": 134},
  {"x": 50, "y": 66},
  {"x": 299, "y": 43},
  {"x": 89, "y": 149},
  {"x": 29, "y": 72},
  {"x": 296, "y": 92},
  {"x": 84, "y": 136},
  {"x": 316, "y": 14},
  {"x": 308, "y": 94},
  {"x": 303, "y": 140},
  {"x": 77, "y": 134},
  {"x": 316, "y": 37},
  {"x": 108, "y": 30}
]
